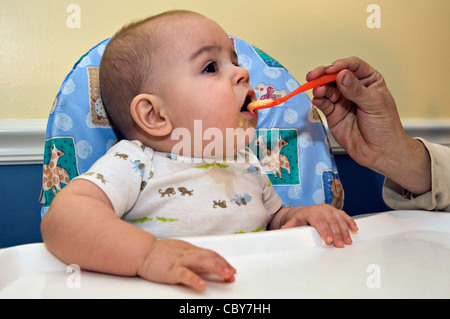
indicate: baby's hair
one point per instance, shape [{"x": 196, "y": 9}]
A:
[{"x": 126, "y": 69}]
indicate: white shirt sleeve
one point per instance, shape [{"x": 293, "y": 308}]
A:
[{"x": 120, "y": 174}]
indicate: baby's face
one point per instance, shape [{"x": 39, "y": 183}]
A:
[{"x": 201, "y": 80}]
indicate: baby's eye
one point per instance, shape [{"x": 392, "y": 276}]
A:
[{"x": 210, "y": 68}]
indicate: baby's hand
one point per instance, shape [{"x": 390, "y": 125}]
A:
[
  {"x": 174, "y": 261},
  {"x": 332, "y": 224}
]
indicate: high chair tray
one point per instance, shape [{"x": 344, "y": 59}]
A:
[{"x": 400, "y": 254}]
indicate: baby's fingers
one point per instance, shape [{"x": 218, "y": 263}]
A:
[
  {"x": 333, "y": 225},
  {"x": 174, "y": 261},
  {"x": 205, "y": 262},
  {"x": 340, "y": 226},
  {"x": 328, "y": 228},
  {"x": 184, "y": 276},
  {"x": 351, "y": 223}
]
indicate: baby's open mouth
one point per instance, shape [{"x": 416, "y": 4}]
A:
[
  {"x": 245, "y": 112},
  {"x": 246, "y": 103}
]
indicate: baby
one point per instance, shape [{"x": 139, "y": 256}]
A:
[{"x": 172, "y": 76}]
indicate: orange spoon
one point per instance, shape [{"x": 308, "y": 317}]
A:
[{"x": 263, "y": 104}]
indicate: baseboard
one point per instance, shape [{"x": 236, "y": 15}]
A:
[{"x": 22, "y": 141}]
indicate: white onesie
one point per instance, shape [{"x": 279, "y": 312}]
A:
[{"x": 176, "y": 196}]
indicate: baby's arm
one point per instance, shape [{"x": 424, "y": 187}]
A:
[
  {"x": 332, "y": 224},
  {"x": 81, "y": 228}
]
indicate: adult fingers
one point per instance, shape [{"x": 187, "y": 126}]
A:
[
  {"x": 351, "y": 88},
  {"x": 358, "y": 67},
  {"x": 319, "y": 71}
]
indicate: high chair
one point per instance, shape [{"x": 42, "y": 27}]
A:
[{"x": 290, "y": 138}]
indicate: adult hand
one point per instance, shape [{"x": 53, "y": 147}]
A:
[{"x": 363, "y": 118}]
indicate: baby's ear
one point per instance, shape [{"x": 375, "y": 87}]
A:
[{"x": 149, "y": 116}]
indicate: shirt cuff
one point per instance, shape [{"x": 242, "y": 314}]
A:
[{"x": 398, "y": 198}]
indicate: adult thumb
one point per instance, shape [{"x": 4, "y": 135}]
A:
[{"x": 351, "y": 88}]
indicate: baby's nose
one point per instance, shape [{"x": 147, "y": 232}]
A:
[{"x": 242, "y": 75}]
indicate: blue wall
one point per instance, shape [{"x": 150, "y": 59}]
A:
[
  {"x": 20, "y": 188},
  {"x": 19, "y": 206},
  {"x": 362, "y": 187}
]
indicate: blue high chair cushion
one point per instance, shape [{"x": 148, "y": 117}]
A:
[{"x": 290, "y": 140}]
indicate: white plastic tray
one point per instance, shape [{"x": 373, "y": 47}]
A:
[{"x": 402, "y": 254}]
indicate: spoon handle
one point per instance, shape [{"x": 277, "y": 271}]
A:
[{"x": 305, "y": 87}]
